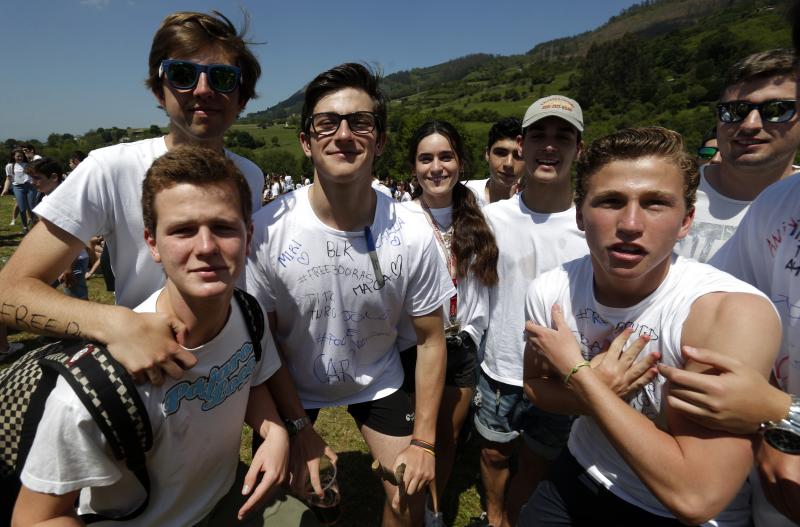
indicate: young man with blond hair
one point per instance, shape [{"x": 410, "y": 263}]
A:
[{"x": 631, "y": 459}]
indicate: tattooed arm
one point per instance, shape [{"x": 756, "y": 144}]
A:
[{"x": 142, "y": 342}]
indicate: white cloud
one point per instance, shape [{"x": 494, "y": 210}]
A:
[{"x": 97, "y": 4}]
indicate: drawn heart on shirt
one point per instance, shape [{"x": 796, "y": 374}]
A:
[
  {"x": 396, "y": 267},
  {"x": 303, "y": 258}
]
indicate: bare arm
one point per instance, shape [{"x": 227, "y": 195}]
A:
[
  {"x": 732, "y": 397},
  {"x": 145, "y": 341},
  {"x": 429, "y": 378},
  {"x": 706, "y": 468},
  {"x": 36, "y": 509},
  {"x": 617, "y": 367},
  {"x": 307, "y": 446},
  {"x": 272, "y": 457},
  {"x": 780, "y": 479}
]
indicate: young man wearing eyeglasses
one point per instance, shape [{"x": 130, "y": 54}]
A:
[
  {"x": 337, "y": 265},
  {"x": 758, "y": 135}
]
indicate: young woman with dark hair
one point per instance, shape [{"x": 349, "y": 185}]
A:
[{"x": 437, "y": 158}]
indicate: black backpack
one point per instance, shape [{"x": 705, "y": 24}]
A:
[{"x": 105, "y": 389}]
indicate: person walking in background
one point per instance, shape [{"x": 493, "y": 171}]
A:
[
  {"x": 21, "y": 186},
  {"x": 9, "y": 172},
  {"x": 45, "y": 175}
]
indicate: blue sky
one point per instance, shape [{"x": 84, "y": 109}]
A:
[{"x": 75, "y": 65}]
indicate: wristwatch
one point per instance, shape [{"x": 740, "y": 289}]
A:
[
  {"x": 295, "y": 425},
  {"x": 784, "y": 435}
]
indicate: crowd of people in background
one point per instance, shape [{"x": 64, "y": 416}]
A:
[{"x": 616, "y": 321}]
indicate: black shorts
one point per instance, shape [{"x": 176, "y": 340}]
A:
[
  {"x": 462, "y": 363},
  {"x": 570, "y": 496},
  {"x": 391, "y": 415}
]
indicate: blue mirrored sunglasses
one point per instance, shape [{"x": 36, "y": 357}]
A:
[{"x": 183, "y": 75}]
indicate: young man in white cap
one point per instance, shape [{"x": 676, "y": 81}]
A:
[{"x": 535, "y": 231}]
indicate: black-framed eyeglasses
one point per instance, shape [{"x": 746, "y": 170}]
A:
[
  {"x": 707, "y": 152},
  {"x": 327, "y": 123},
  {"x": 772, "y": 111},
  {"x": 183, "y": 75}
]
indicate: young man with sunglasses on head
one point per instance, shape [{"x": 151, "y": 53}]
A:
[
  {"x": 758, "y": 133},
  {"x": 202, "y": 74},
  {"x": 337, "y": 265}
]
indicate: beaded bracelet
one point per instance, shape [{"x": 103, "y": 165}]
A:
[{"x": 574, "y": 370}]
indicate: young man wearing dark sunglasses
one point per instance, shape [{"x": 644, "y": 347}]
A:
[
  {"x": 202, "y": 74},
  {"x": 338, "y": 266},
  {"x": 731, "y": 397},
  {"x": 708, "y": 151},
  {"x": 758, "y": 135}
]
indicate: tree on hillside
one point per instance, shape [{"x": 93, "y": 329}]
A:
[{"x": 277, "y": 161}]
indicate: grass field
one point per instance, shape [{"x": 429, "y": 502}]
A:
[{"x": 362, "y": 496}]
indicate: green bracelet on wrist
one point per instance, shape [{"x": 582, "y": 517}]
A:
[{"x": 574, "y": 370}]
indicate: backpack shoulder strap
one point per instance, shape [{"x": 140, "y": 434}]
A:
[
  {"x": 253, "y": 317},
  {"x": 109, "y": 394}
]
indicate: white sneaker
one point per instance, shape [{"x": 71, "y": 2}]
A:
[{"x": 13, "y": 222}]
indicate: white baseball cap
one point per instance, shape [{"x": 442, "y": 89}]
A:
[{"x": 555, "y": 106}]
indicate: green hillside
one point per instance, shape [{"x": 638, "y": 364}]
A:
[{"x": 657, "y": 62}]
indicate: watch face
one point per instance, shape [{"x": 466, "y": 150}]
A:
[{"x": 787, "y": 441}]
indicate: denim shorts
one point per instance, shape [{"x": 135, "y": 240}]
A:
[{"x": 502, "y": 414}]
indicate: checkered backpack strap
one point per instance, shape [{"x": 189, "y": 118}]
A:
[
  {"x": 24, "y": 389},
  {"x": 109, "y": 394},
  {"x": 253, "y": 317}
]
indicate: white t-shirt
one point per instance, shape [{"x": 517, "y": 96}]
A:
[
  {"x": 660, "y": 316},
  {"x": 16, "y": 171},
  {"x": 765, "y": 252},
  {"x": 529, "y": 243},
  {"x": 103, "y": 196},
  {"x": 478, "y": 187},
  {"x": 380, "y": 187},
  {"x": 471, "y": 307},
  {"x": 715, "y": 220},
  {"x": 337, "y": 326},
  {"x": 196, "y": 425}
]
